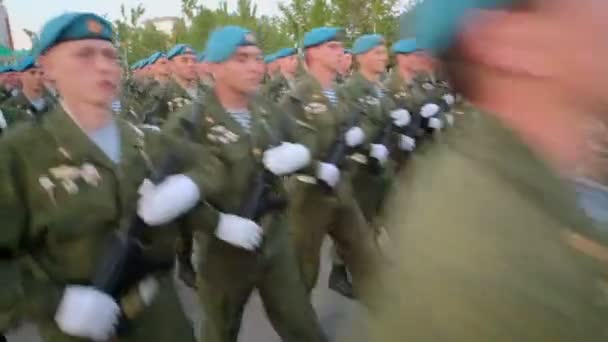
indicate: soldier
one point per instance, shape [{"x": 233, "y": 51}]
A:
[
  {"x": 5, "y": 92},
  {"x": 272, "y": 68},
  {"x": 251, "y": 248},
  {"x": 283, "y": 81},
  {"x": 345, "y": 69},
  {"x": 204, "y": 76},
  {"x": 74, "y": 178},
  {"x": 155, "y": 106},
  {"x": 374, "y": 173},
  {"x": 323, "y": 119},
  {"x": 30, "y": 102},
  {"x": 501, "y": 252}
]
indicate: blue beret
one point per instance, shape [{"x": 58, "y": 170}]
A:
[
  {"x": 270, "y": 58},
  {"x": 224, "y": 42},
  {"x": 285, "y": 52},
  {"x": 180, "y": 49},
  {"x": 72, "y": 26},
  {"x": 320, "y": 35},
  {"x": 438, "y": 21},
  {"x": 367, "y": 42},
  {"x": 201, "y": 57},
  {"x": 26, "y": 63},
  {"x": 405, "y": 46},
  {"x": 155, "y": 57}
]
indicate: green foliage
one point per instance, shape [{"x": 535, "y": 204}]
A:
[{"x": 138, "y": 40}]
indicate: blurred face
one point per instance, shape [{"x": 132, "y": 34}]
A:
[
  {"x": 346, "y": 63},
  {"x": 288, "y": 65},
  {"x": 161, "y": 68},
  {"x": 31, "y": 79},
  {"x": 84, "y": 70},
  {"x": 272, "y": 67},
  {"x": 184, "y": 66},
  {"x": 243, "y": 72},
  {"x": 375, "y": 60},
  {"x": 508, "y": 57},
  {"x": 202, "y": 69},
  {"x": 328, "y": 54}
]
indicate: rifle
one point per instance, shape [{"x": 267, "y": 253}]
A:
[
  {"x": 260, "y": 198},
  {"x": 339, "y": 149},
  {"x": 123, "y": 264}
]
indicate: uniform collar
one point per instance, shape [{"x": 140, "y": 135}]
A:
[{"x": 76, "y": 147}]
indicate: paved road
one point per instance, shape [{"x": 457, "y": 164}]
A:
[{"x": 335, "y": 312}]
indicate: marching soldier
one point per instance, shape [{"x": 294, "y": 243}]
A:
[
  {"x": 345, "y": 69},
  {"x": 204, "y": 76},
  {"x": 322, "y": 200},
  {"x": 283, "y": 81},
  {"x": 498, "y": 250},
  {"x": 155, "y": 106},
  {"x": 30, "y": 102},
  {"x": 250, "y": 248},
  {"x": 272, "y": 68},
  {"x": 184, "y": 87},
  {"x": 71, "y": 180}
]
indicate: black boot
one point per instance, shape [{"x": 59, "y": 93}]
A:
[{"x": 338, "y": 281}]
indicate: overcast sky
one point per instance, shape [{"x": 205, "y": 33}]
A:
[{"x": 31, "y": 14}]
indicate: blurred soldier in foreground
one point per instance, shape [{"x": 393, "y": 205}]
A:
[{"x": 497, "y": 249}]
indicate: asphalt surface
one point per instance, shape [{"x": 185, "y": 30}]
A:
[{"x": 336, "y": 313}]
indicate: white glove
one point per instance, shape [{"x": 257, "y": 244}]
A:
[
  {"x": 286, "y": 158},
  {"x": 150, "y": 127},
  {"x": 3, "y": 123},
  {"x": 162, "y": 203},
  {"x": 88, "y": 313},
  {"x": 354, "y": 136},
  {"x": 429, "y": 110},
  {"x": 379, "y": 152},
  {"x": 435, "y": 123},
  {"x": 407, "y": 143},
  {"x": 148, "y": 289},
  {"x": 328, "y": 173},
  {"x": 449, "y": 99},
  {"x": 401, "y": 117},
  {"x": 239, "y": 231},
  {"x": 450, "y": 119}
]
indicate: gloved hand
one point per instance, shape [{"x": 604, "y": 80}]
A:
[
  {"x": 162, "y": 203},
  {"x": 239, "y": 231},
  {"x": 401, "y": 117},
  {"x": 407, "y": 143},
  {"x": 150, "y": 127},
  {"x": 429, "y": 110},
  {"x": 328, "y": 173},
  {"x": 354, "y": 136},
  {"x": 449, "y": 99},
  {"x": 286, "y": 158},
  {"x": 88, "y": 313},
  {"x": 449, "y": 118},
  {"x": 379, "y": 152},
  {"x": 435, "y": 123},
  {"x": 3, "y": 123}
]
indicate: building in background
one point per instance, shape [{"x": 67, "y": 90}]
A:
[
  {"x": 163, "y": 24},
  {"x": 6, "y": 38}
]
